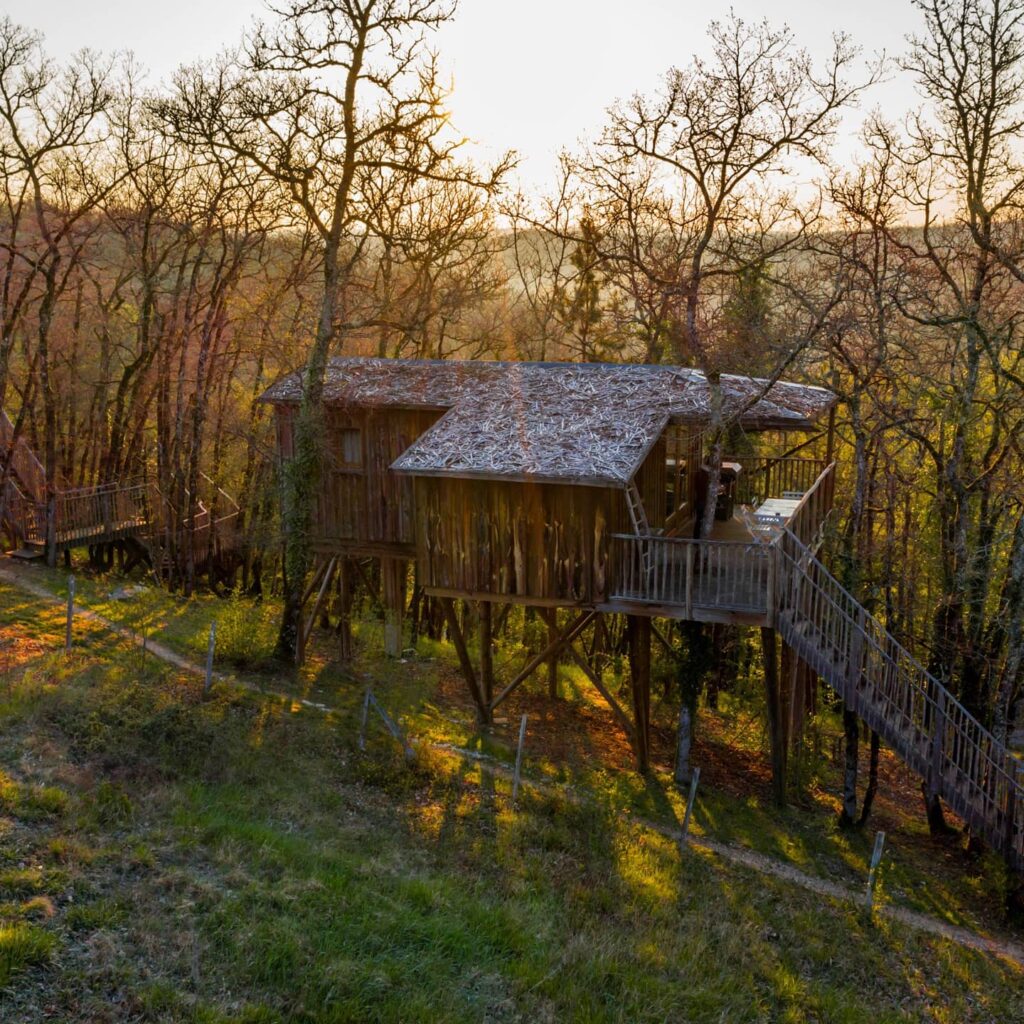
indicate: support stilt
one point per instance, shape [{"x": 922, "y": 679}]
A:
[
  {"x": 485, "y": 615},
  {"x": 551, "y": 616},
  {"x": 775, "y": 718},
  {"x": 394, "y": 573},
  {"x": 483, "y": 710},
  {"x": 344, "y": 610},
  {"x": 306, "y": 627}
]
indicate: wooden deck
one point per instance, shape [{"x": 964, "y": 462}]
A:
[{"x": 729, "y": 577}]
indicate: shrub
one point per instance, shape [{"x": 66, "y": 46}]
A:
[
  {"x": 23, "y": 945},
  {"x": 246, "y": 633}
]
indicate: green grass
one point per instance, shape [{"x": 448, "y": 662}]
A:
[
  {"x": 238, "y": 859},
  {"x": 21, "y": 946}
]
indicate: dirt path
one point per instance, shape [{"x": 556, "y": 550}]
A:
[{"x": 1008, "y": 950}]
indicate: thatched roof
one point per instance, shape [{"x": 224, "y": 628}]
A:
[{"x": 587, "y": 423}]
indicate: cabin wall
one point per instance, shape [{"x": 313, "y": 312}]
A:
[
  {"x": 541, "y": 542},
  {"x": 652, "y": 483},
  {"x": 360, "y": 502}
]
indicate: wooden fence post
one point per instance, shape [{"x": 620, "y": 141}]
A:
[
  {"x": 363, "y": 720},
  {"x": 519, "y": 759},
  {"x": 71, "y": 614},
  {"x": 208, "y": 683},
  {"x": 690, "y": 801},
  {"x": 876, "y": 856}
]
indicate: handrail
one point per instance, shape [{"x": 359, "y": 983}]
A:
[
  {"x": 724, "y": 576},
  {"x": 811, "y": 513},
  {"x": 24, "y": 463},
  {"x": 892, "y": 691},
  {"x": 780, "y": 473}
]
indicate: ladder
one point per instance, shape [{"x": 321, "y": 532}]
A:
[
  {"x": 637, "y": 512},
  {"x": 919, "y": 719},
  {"x": 641, "y": 526}
]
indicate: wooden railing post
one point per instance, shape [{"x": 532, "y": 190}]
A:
[{"x": 688, "y": 596}]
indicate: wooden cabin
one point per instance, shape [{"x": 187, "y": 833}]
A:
[{"x": 559, "y": 485}]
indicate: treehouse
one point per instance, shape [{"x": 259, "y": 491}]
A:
[
  {"x": 554, "y": 485},
  {"x": 579, "y": 490}
]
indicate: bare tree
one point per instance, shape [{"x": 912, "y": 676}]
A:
[
  {"x": 52, "y": 122},
  {"x": 334, "y": 97},
  {"x": 708, "y": 155}
]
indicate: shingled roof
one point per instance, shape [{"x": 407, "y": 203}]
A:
[{"x": 584, "y": 423}]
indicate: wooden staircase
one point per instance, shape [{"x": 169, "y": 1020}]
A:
[{"x": 917, "y": 717}]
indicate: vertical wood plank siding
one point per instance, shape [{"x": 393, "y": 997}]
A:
[
  {"x": 543, "y": 541},
  {"x": 360, "y": 501}
]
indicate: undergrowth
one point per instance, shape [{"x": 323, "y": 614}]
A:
[{"x": 165, "y": 857}]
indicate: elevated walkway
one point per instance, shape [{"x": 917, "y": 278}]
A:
[{"x": 105, "y": 513}]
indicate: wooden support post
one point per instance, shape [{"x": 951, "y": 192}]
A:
[
  {"x": 595, "y": 678},
  {"x": 876, "y": 857},
  {"x": 786, "y": 675},
  {"x": 552, "y": 649},
  {"x": 774, "y": 708},
  {"x": 306, "y": 628},
  {"x": 519, "y": 759},
  {"x": 639, "y": 628},
  {"x": 485, "y": 612},
  {"x": 551, "y": 616},
  {"x": 364, "y": 719},
  {"x": 394, "y": 573},
  {"x": 208, "y": 682},
  {"x": 691, "y": 802},
  {"x": 71, "y": 614},
  {"x": 483, "y": 710},
  {"x": 345, "y": 610}
]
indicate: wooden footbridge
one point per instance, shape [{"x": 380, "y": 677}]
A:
[{"x": 101, "y": 515}]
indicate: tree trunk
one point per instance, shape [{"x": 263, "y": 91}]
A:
[
  {"x": 773, "y": 700},
  {"x": 872, "y": 787},
  {"x": 851, "y": 733},
  {"x": 302, "y": 471}
]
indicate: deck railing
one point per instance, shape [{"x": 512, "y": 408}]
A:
[
  {"x": 770, "y": 477},
  {"x": 692, "y": 574},
  {"x": 717, "y": 575}
]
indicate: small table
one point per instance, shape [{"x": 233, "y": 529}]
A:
[{"x": 776, "y": 510}]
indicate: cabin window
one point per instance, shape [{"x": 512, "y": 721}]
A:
[{"x": 347, "y": 448}]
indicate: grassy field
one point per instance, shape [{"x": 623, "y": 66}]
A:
[{"x": 165, "y": 858}]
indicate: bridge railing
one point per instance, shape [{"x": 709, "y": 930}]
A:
[
  {"x": 104, "y": 512},
  {"x": 24, "y": 465}
]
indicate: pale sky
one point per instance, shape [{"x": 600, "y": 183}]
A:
[{"x": 529, "y": 75}]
